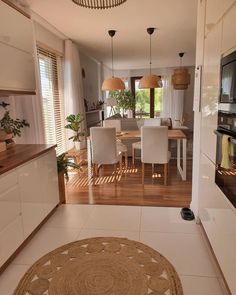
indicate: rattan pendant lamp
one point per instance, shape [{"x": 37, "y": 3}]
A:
[
  {"x": 99, "y": 4},
  {"x": 181, "y": 77},
  {"x": 113, "y": 83},
  {"x": 150, "y": 81}
]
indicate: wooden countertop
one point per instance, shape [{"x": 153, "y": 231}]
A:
[{"x": 19, "y": 154}]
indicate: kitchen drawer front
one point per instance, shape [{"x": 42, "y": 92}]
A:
[
  {"x": 10, "y": 206},
  {"x": 15, "y": 29},
  {"x": 18, "y": 68},
  {"x": 11, "y": 237},
  {"x": 7, "y": 181}
]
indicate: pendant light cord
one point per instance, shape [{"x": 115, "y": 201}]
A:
[
  {"x": 150, "y": 54},
  {"x": 112, "y": 57}
]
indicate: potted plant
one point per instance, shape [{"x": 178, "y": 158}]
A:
[
  {"x": 125, "y": 101},
  {"x": 63, "y": 163},
  {"x": 74, "y": 124},
  {"x": 10, "y": 127}
]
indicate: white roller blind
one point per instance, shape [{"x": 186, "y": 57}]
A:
[{"x": 50, "y": 67}]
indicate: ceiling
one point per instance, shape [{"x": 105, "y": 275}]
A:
[{"x": 175, "y": 20}]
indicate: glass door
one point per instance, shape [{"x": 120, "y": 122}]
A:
[{"x": 148, "y": 102}]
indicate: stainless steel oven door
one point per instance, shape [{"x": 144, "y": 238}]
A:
[{"x": 225, "y": 176}]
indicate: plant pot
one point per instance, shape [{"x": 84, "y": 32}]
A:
[
  {"x": 3, "y": 135},
  {"x": 80, "y": 145},
  {"x": 61, "y": 186}
]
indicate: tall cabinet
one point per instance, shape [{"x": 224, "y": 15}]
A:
[
  {"x": 217, "y": 215},
  {"x": 16, "y": 52}
]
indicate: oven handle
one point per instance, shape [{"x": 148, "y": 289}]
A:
[{"x": 231, "y": 139}]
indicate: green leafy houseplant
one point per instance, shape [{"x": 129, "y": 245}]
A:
[
  {"x": 63, "y": 164},
  {"x": 125, "y": 100},
  {"x": 12, "y": 126},
  {"x": 74, "y": 124}
]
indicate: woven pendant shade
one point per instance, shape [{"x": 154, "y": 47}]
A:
[
  {"x": 181, "y": 79},
  {"x": 150, "y": 81},
  {"x": 112, "y": 84},
  {"x": 99, "y": 4}
]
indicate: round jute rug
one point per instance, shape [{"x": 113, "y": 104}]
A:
[{"x": 101, "y": 266}]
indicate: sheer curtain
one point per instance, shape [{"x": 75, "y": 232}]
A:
[
  {"x": 73, "y": 88},
  {"x": 172, "y": 100}
]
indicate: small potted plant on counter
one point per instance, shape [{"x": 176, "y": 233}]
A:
[
  {"x": 10, "y": 127},
  {"x": 63, "y": 163},
  {"x": 74, "y": 124}
]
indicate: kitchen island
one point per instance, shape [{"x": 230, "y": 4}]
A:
[{"x": 28, "y": 193}]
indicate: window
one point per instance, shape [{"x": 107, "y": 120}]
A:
[{"x": 50, "y": 68}]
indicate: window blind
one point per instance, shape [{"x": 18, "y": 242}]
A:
[{"x": 50, "y": 68}]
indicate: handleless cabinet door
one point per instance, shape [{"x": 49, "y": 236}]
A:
[
  {"x": 17, "y": 69},
  {"x": 31, "y": 193},
  {"x": 229, "y": 30},
  {"x": 210, "y": 91},
  {"x": 15, "y": 29},
  {"x": 49, "y": 178}
]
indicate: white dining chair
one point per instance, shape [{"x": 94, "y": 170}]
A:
[
  {"x": 120, "y": 146},
  {"x": 154, "y": 148},
  {"x": 104, "y": 148},
  {"x": 147, "y": 122}
]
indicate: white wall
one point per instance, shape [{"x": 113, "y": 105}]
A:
[
  {"x": 92, "y": 79},
  {"x": 217, "y": 215}
]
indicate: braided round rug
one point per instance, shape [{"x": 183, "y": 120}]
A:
[{"x": 101, "y": 266}]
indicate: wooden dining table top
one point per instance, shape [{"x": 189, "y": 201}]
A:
[{"x": 172, "y": 134}]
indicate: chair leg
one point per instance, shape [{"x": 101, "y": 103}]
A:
[
  {"x": 115, "y": 174},
  {"x": 121, "y": 166},
  {"x": 133, "y": 154},
  {"x": 126, "y": 160},
  {"x": 165, "y": 173},
  {"x": 143, "y": 172},
  {"x": 94, "y": 174}
]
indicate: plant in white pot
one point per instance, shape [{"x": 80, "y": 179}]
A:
[
  {"x": 10, "y": 127},
  {"x": 74, "y": 124},
  {"x": 125, "y": 101}
]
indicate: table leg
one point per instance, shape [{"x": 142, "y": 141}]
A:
[{"x": 182, "y": 170}]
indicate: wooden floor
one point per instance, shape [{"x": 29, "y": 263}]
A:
[{"x": 129, "y": 190}]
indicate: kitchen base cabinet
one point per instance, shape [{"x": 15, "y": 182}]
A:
[{"x": 28, "y": 194}]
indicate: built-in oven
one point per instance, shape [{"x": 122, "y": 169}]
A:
[{"x": 225, "y": 176}]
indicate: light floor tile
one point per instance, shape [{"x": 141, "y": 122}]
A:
[
  {"x": 186, "y": 252},
  {"x": 45, "y": 241},
  {"x": 201, "y": 286},
  {"x": 92, "y": 233},
  {"x": 115, "y": 217},
  {"x": 166, "y": 220},
  {"x": 11, "y": 277},
  {"x": 70, "y": 216}
]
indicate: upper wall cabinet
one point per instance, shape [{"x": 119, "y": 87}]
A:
[
  {"x": 215, "y": 9},
  {"x": 16, "y": 52},
  {"x": 229, "y": 30}
]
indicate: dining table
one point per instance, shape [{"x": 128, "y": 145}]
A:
[{"x": 177, "y": 135}]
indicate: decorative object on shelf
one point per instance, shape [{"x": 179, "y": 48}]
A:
[
  {"x": 125, "y": 100},
  {"x": 74, "y": 124},
  {"x": 10, "y": 127},
  {"x": 181, "y": 77},
  {"x": 150, "y": 81},
  {"x": 101, "y": 266},
  {"x": 63, "y": 163},
  {"x": 113, "y": 83},
  {"x": 99, "y": 4}
]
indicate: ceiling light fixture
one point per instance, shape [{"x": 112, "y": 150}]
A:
[
  {"x": 113, "y": 83},
  {"x": 181, "y": 77},
  {"x": 99, "y": 4},
  {"x": 150, "y": 81}
]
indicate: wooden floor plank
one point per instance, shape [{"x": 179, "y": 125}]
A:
[{"x": 129, "y": 189}]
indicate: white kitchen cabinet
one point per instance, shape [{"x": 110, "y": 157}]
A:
[
  {"x": 218, "y": 218},
  {"x": 215, "y": 10},
  {"x": 210, "y": 91},
  {"x": 229, "y": 30},
  {"x": 11, "y": 237},
  {"x": 18, "y": 69},
  {"x": 15, "y": 29},
  {"x": 16, "y": 52}
]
